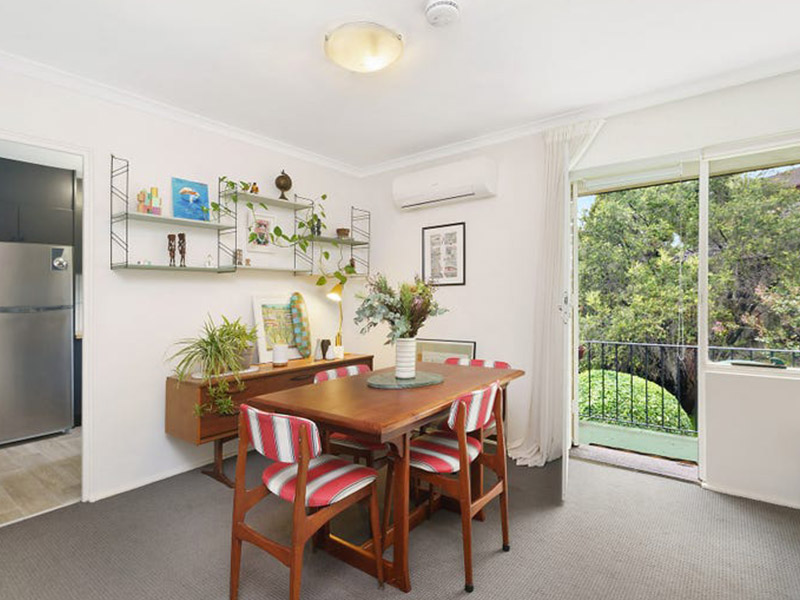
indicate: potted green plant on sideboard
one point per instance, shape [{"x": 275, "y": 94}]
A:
[{"x": 219, "y": 350}]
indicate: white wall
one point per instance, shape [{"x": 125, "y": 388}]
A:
[
  {"x": 134, "y": 316},
  {"x": 502, "y": 234},
  {"x": 751, "y": 436}
]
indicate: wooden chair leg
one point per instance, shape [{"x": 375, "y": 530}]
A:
[
  {"x": 296, "y": 570},
  {"x": 387, "y": 499},
  {"x": 236, "y": 564},
  {"x": 374, "y": 521},
  {"x": 466, "y": 532},
  {"x": 504, "y": 516},
  {"x": 476, "y": 477}
]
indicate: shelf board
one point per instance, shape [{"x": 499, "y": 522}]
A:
[
  {"x": 146, "y": 218},
  {"x": 244, "y": 197},
  {"x": 230, "y": 269},
  {"x": 280, "y": 269},
  {"x": 336, "y": 240}
]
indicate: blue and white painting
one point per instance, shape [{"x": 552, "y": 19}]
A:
[{"x": 189, "y": 200}]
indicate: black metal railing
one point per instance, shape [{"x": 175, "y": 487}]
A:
[{"x": 652, "y": 386}]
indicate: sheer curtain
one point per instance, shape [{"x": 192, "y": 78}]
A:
[{"x": 550, "y": 376}]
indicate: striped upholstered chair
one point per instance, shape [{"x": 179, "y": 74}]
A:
[
  {"x": 448, "y": 460},
  {"x": 343, "y": 443},
  {"x": 302, "y": 475},
  {"x": 488, "y": 364}
]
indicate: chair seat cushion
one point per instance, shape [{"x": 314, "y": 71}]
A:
[
  {"x": 437, "y": 452},
  {"x": 330, "y": 479},
  {"x": 350, "y": 441}
]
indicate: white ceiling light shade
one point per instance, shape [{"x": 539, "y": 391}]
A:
[{"x": 363, "y": 47}]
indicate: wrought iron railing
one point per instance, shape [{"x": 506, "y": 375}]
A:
[{"x": 652, "y": 386}]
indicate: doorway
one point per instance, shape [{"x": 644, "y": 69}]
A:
[{"x": 41, "y": 329}]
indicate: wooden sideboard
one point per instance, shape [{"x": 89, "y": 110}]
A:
[{"x": 182, "y": 397}]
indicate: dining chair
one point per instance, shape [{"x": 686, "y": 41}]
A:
[
  {"x": 344, "y": 443},
  {"x": 320, "y": 484},
  {"x": 447, "y": 460},
  {"x": 489, "y": 364}
]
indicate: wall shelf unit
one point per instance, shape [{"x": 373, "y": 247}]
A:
[
  {"x": 223, "y": 221},
  {"x": 358, "y": 244}
]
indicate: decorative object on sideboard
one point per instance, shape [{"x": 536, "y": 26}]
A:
[
  {"x": 444, "y": 254},
  {"x": 219, "y": 350},
  {"x": 148, "y": 203},
  {"x": 190, "y": 200},
  {"x": 337, "y": 295},
  {"x": 273, "y": 318},
  {"x": 325, "y": 347},
  {"x": 300, "y": 324},
  {"x": 404, "y": 310},
  {"x": 284, "y": 183},
  {"x": 171, "y": 248},
  {"x": 343, "y": 233},
  {"x": 182, "y": 248}
]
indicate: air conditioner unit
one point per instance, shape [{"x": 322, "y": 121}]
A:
[{"x": 463, "y": 180}]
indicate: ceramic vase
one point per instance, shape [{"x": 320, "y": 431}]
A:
[
  {"x": 280, "y": 355},
  {"x": 405, "y": 364}
]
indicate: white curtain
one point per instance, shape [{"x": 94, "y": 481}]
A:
[{"x": 550, "y": 371}]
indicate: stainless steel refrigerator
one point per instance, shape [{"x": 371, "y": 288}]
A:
[{"x": 36, "y": 335}]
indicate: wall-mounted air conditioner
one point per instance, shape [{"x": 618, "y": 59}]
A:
[{"x": 463, "y": 180}]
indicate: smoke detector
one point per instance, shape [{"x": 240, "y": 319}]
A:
[{"x": 441, "y": 13}]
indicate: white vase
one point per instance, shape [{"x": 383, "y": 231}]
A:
[
  {"x": 405, "y": 364},
  {"x": 280, "y": 355}
]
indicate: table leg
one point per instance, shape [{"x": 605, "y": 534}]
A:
[
  {"x": 216, "y": 471},
  {"x": 399, "y": 569}
]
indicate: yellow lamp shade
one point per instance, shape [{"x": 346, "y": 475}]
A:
[
  {"x": 363, "y": 47},
  {"x": 336, "y": 293}
]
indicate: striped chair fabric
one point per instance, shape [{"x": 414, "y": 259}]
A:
[
  {"x": 278, "y": 436},
  {"x": 344, "y": 439},
  {"x": 330, "y": 479},
  {"x": 476, "y": 362},
  {"x": 340, "y": 372},
  {"x": 437, "y": 452},
  {"x": 478, "y": 406}
]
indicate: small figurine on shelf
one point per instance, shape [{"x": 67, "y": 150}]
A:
[
  {"x": 182, "y": 248},
  {"x": 284, "y": 183},
  {"x": 254, "y": 188},
  {"x": 155, "y": 201},
  {"x": 239, "y": 257},
  {"x": 148, "y": 202},
  {"x": 209, "y": 261},
  {"x": 171, "y": 248},
  {"x": 141, "y": 202}
]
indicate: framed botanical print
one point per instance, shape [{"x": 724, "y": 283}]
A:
[
  {"x": 443, "y": 254},
  {"x": 437, "y": 351},
  {"x": 273, "y": 318},
  {"x": 258, "y": 229}
]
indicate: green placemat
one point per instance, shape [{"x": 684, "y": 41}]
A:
[{"x": 387, "y": 381}]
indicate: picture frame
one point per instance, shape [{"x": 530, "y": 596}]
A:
[
  {"x": 190, "y": 200},
  {"x": 261, "y": 224},
  {"x": 437, "y": 350},
  {"x": 444, "y": 258},
  {"x": 270, "y": 312}
]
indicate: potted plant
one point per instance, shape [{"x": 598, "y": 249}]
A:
[
  {"x": 219, "y": 350},
  {"x": 405, "y": 310}
]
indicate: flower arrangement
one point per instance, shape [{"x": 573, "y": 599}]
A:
[{"x": 405, "y": 310}]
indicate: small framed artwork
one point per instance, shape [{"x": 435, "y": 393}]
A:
[
  {"x": 443, "y": 254},
  {"x": 273, "y": 318},
  {"x": 190, "y": 200},
  {"x": 258, "y": 229},
  {"x": 437, "y": 351}
]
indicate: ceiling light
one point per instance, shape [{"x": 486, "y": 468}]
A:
[{"x": 363, "y": 47}]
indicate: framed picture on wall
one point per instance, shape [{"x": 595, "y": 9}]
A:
[
  {"x": 259, "y": 227},
  {"x": 444, "y": 254},
  {"x": 273, "y": 318},
  {"x": 437, "y": 351}
]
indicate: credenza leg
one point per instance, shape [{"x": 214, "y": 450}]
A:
[{"x": 216, "y": 471}]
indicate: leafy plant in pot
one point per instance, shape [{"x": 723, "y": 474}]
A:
[
  {"x": 219, "y": 349},
  {"x": 404, "y": 310}
]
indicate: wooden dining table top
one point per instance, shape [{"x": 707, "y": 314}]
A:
[{"x": 348, "y": 404}]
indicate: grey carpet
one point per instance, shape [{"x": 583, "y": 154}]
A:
[{"x": 621, "y": 535}]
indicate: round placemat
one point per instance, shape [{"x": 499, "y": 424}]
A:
[{"x": 387, "y": 381}]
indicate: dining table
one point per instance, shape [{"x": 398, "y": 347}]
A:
[{"x": 390, "y": 416}]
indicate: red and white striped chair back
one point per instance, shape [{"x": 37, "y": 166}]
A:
[
  {"x": 476, "y": 362},
  {"x": 341, "y": 372},
  {"x": 278, "y": 436},
  {"x": 478, "y": 407}
]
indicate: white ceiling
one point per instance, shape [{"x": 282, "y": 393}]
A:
[{"x": 259, "y": 64}]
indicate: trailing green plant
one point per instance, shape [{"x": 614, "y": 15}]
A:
[
  {"x": 405, "y": 310},
  {"x": 307, "y": 223},
  {"x": 218, "y": 349}
]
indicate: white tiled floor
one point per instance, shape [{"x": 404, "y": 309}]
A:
[{"x": 39, "y": 475}]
